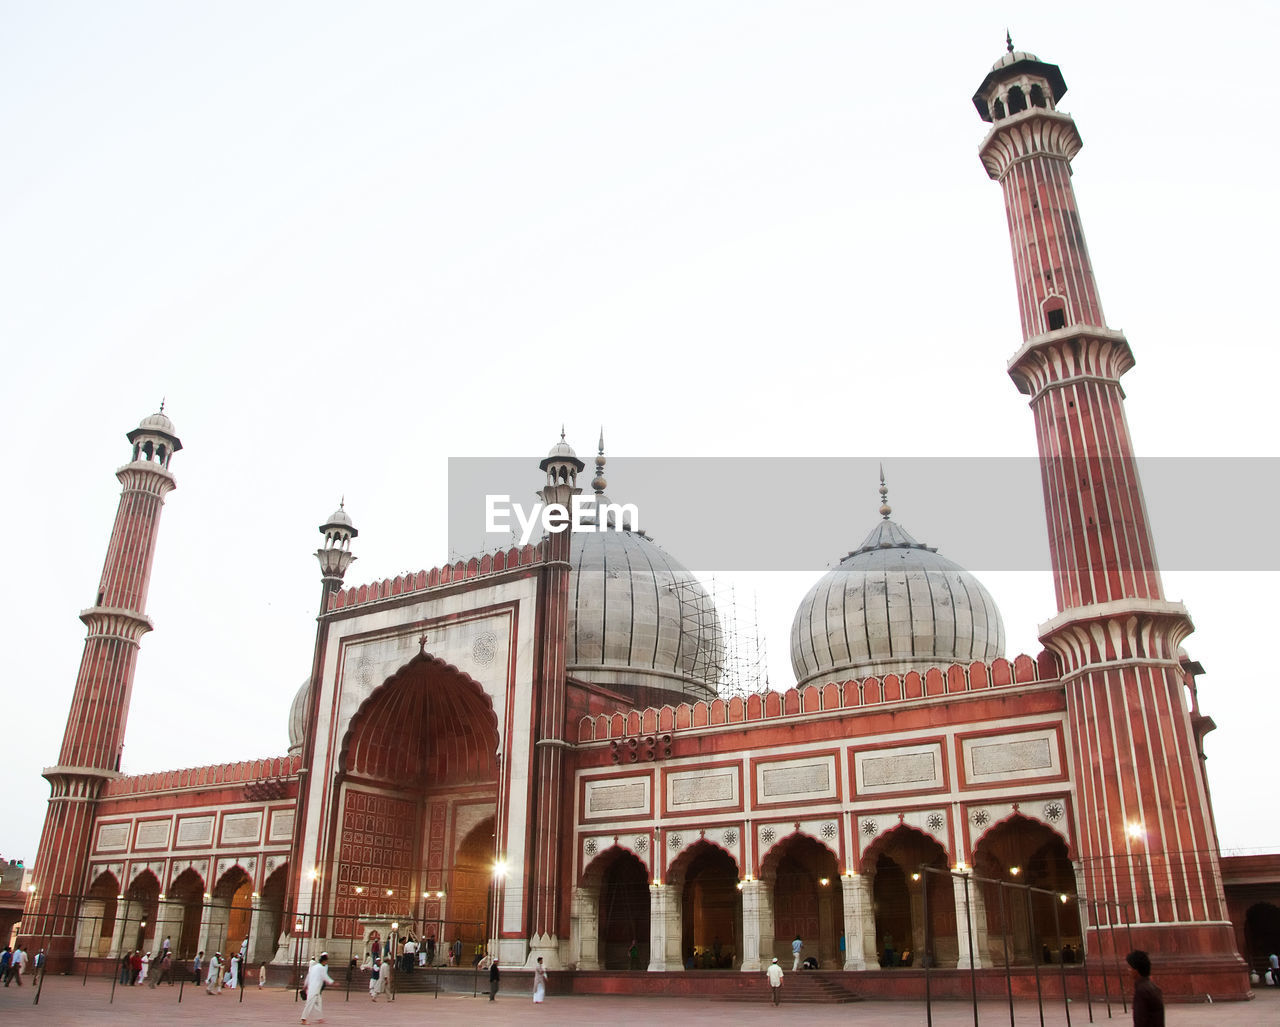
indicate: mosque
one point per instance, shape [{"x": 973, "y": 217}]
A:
[{"x": 529, "y": 751}]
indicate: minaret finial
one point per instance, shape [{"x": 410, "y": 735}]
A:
[
  {"x": 599, "y": 483},
  {"x": 342, "y": 503},
  {"x": 162, "y": 398},
  {"x": 562, "y": 432},
  {"x": 885, "y": 508},
  {"x": 1008, "y": 40}
]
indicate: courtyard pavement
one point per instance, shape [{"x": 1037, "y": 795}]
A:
[{"x": 66, "y": 1001}]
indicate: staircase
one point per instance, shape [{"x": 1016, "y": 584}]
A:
[{"x": 806, "y": 986}]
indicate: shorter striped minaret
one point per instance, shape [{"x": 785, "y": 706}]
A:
[{"x": 94, "y": 737}]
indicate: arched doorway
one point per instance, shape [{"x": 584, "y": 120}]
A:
[
  {"x": 710, "y": 906},
  {"x": 231, "y": 912},
  {"x": 416, "y": 800},
  {"x": 807, "y": 901},
  {"x": 1025, "y": 853},
  {"x": 187, "y": 892},
  {"x": 143, "y": 902},
  {"x": 98, "y": 917},
  {"x": 270, "y": 913},
  {"x": 1261, "y": 934},
  {"x": 610, "y": 913},
  {"x": 901, "y": 889}
]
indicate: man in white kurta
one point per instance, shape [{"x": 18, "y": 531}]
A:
[{"x": 317, "y": 979}]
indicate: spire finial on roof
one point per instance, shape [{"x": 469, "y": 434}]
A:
[
  {"x": 885, "y": 508},
  {"x": 162, "y": 398},
  {"x": 342, "y": 503},
  {"x": 599, "y": 483},
  {"x": 562, "y": 432},
  {"x": 1008, "y": 40}
]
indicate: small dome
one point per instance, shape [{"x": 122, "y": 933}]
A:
[
  {"x": 158, "y": 421},
  {"x": 340, "y": 516},
  {"x": 298, "y": 718},
  {"x": 1013, "y": 57},
  {"x": 890, "y": 606},
  {"x": 562, "y": 451}
]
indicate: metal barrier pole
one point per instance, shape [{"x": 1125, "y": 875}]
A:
[
  {"x": 1124, "y": 1002},
  {"x": 925, "y": 956},
  {"x": 1004, "y": 937},
  {"x": 1081, "y": 917},
  {"x": 968, "y": 926},
  {"x": 1035, "y": 955},
  {"x": 1062, "y": 966}
]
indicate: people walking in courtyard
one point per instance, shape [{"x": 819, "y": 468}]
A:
[
  {"x": 213, "y": 982},
  {"x": 539, "y": 982},
  {"x": 796, "y": 947},
  {"x": 317, "y": 980},
  {"x": 774, "y": 973},
  {"x": 1148, "y": 1000}
]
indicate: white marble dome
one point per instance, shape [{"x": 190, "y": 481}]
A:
[
  {"x": 890, "y": 606},
  {"x": 298, "y": 718},
  {"x": 639, "y": 618}
]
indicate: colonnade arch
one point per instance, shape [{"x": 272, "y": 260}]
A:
[
  {"x": 98, "y": 915},
  {"x": 705, "y": 877},
  {"x": 1028, "y": 854},
  {"x": 803, "y": 878},
  {"x": 898, "y": 882},
  {"x": 611, "y": 913}
]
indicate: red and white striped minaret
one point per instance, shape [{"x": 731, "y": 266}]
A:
[
  {"x": 1146, "y": 842},
  {"x": 94, "y": 738},
  {"x": 562, "y": 467}
]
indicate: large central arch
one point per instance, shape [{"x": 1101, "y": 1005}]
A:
[{"x": 418, "y": 775}]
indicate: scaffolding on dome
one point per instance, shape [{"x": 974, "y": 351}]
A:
[{"x": 731, "y": 654}]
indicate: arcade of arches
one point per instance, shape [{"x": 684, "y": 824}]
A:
[
  {"x": 114, "y": 922},
  {"x": 905, "y": 903},
  {"x": 417, "y": 791}
]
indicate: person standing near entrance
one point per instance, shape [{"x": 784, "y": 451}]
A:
[
  {"x": 796, "y": 947},
  {"x": 195, "y": 966},
  {"x": 493, "y": 980},
  {"x": 213, "y": 982},
  {"x": 775, "y": 980},
  {"x": 1148, "y": 1000}
]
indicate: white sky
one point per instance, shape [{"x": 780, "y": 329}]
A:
[{"x": 349, "y": 241}]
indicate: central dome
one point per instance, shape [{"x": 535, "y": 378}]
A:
[
  {"x": 638, "y": 619},
  {"x": 890, "y": 606}
]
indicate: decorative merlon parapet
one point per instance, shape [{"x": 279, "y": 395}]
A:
[
  {"x": 1068, "y": 355},
  {"x": 937, "y": 682},
  {"x": 1125, "y": 631},
  {"x": 1035, "y": 132},
  {"x": 502, "y": 561},
  {"x": 146, "y": 476},
  {"x": 246, "y": 772}
]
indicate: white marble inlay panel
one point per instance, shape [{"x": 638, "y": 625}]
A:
[
  {"x": 695, "y": 788},
  {"x": 241, "y": 827},
  {"x": 113, "y": 836},
  {"x": 905, "y": 769},
  {"x": 605, "y": 799},
  {"x": 152, "y": 834},
  {"x": 797, "y": 779},
  {"x": 195, "y": 831},
  {"x": 1026, "y": 754}
]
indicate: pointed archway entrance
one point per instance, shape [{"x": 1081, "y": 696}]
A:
[
  {"x": 609, "y": 922},
  {"x": 914, "y": 909},
  {"x": 1026, "y": 854},
  {"x": 804, "y": 879},
  {"x": 705, "y": 878},
  {"x": 416, "y": 797}
]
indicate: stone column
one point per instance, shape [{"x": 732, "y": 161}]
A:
[
  {"x": 757, "y": 925},
  {"x": 168, "y": 925},
  {"x": 213, "y": 927},
  {"x": 971, "y": 918},
  {"x": 90, "y": 928},
  {"x": 664, "y": 928},
  {"x": 584, "y": 929},
  {"x": 859, "y": 923},
  {"x": 121, "y": 938},
  {"x": 828, "y": 952}
]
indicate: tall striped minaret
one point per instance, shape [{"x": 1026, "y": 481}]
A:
[
  {"x": 94, "y": 737},
  {"x": 1146, "y": 846}
]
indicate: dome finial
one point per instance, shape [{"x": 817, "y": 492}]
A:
[
  {"x": 162, "y": 398},
  {"x": 1008, "y": 40},
  {"x": 599, "y": 483},
  {"x": 562, "y": 431},
  {"x": 885, "y": 508}
]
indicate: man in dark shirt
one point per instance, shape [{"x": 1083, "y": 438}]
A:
[
  {"x": 1148, "y": 1001},
  {"x": 493, "y": 980}
]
